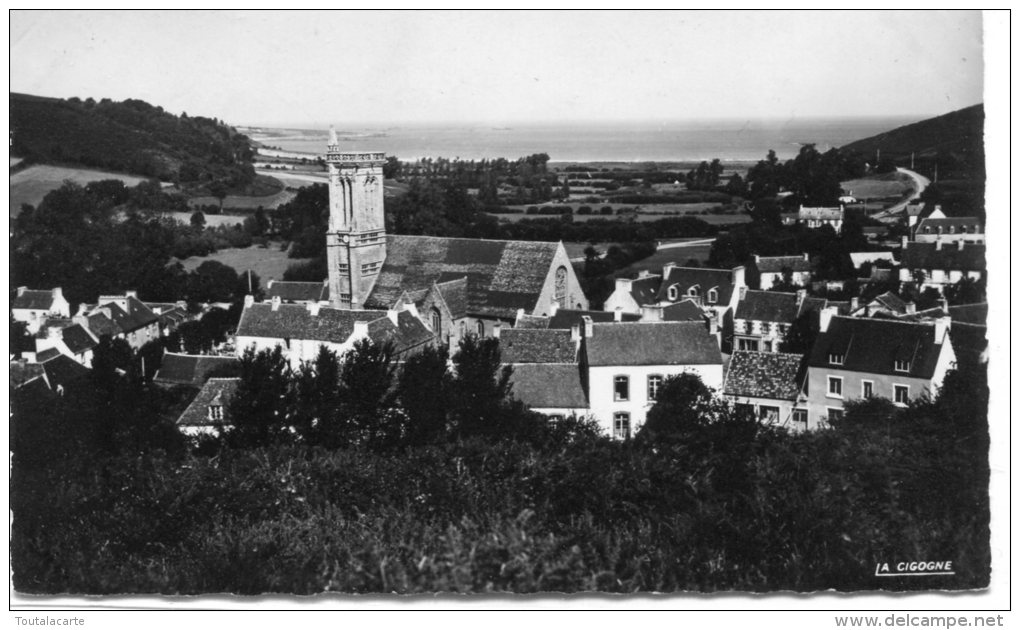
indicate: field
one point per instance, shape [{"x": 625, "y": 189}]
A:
[
  {"x": 678, "y": 255},
  {"x": 238, "y": 202},
  {"x": 644, "y": 213},
  {"x": 886, "y": 185},
  {"x": 268, "y": 262},
  {"x": 32, "y": 184},
  {"x": 211, "y": 220}
]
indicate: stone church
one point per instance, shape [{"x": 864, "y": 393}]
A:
[{"x": 455, "y": 286}]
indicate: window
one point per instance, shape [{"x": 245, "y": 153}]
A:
[
  {"x": 436, "y": 320},
  {"x": 693, "y": 292},
  {"x": 901, "y": 366},
  {"x": 654, "y": 383},
  {"x": 901, "y": 394},
  {"x": 560, "y": 287},
  {"x": 867, "y": 389},
  {"x": 768, "y": 414},
  {"x": 343, "y": 267},
  {"x": 747, "y": 344},
  {"x": 462, "y": 328},
  {"x": 621, "y": 388},
  {"x": 621, "y": 426},
  {"x": 836, "y": 358},
  {"x": 713, "y": 296},
  {"x": 672, "y": 293},
  {"x": 555, "y": 417},
  {"x": 834, "y": 415},
  {"x": 800, "y": 418},
  {"x": 215, "y": 412},
  {"x": 480, "y": 328},
  {"x": 835, "y": 387},
  {"x": 370, "y": 268}
]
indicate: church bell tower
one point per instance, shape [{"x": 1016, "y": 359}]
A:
[{"x": 356, "y": 237}]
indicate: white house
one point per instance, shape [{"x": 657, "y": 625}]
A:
[{"x": 32, "y": 307}]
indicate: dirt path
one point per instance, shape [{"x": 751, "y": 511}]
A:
[{"x": 892, "y": 213}]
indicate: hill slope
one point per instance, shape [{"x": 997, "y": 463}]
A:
[
  {"x": 947, "y": 149},
  {"x": 130, "y": 136}
]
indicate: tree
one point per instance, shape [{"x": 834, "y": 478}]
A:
[
  {"x": 423, "y": 392},
  {"x": 802, "y": 333},
  {"x": 218, "y": 190},
  {"x": 683, "y": 406},
  {"x": 366, "y": 386},
  {"x": 260, "y": 407},
  {"x": 212, "y": 281},
  {"x": 318, "y": 401},
  {"x": 482, "y": 386},
  {"x": 198, "y": 220}
]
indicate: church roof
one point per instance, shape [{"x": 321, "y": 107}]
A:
[{"x": 501, "y": 276}]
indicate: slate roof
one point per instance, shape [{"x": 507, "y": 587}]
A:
[
  {"x": 873, "y": 346},
  {"x": 768, "y": 306},
  {"x": 216, "y": 391},
  {"x": 101, "y": 325},
  {"x": 652, "y": 343},
  {"x": 77, "y": 339},
  {"x": 502, "y": 276},
  {"x": 21, "y": 372},
  {"x": 192, "y": 369},
  {"x": 47, "y": 355},
  {"x": 532, "y": 321},
  {"x": 63, "y": 370},
  {"x": 970, "y": 313},
  {"x": 32, "y": 300},
  {"x": 298, "y": 291},
  {"x": 170, "y": 314},
  {"x": 972, "y": 225},
  {"x": 683, "y": 311},
  {"x": 950, "y": 257},
  {"x": 455, "y": 294},
  {"x": 763, "y": 375},
  {"x": 776, "y": 264},
  {"x": 686, "y": 277},
  {"x": 644, "y": 290},
  {"x": 535, "y": 345},
  {"x": 892, "y": 302},
  {"x": 294, "y": 321},
  {"x": 566, "y": 318},
  {"x": 408, "y": 333},
  {"x": 136, "y": 315},
  {"x": 549, "y": 385}
]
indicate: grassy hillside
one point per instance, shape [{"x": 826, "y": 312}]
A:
[
  {"x": 130, "y": 136},
  {"x": 947, "y": 149}
]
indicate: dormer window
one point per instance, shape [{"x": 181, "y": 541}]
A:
[
  {"x": 215, "y": 412},
  {"x": 713, "y": 296},
  {"x": 672, "y": 293},
  {"x": 693, "y": 292},
  {"x": 836, "y": 358},
  {"x": 901, "y": 366},
  {"x": 927, "y": 230}
]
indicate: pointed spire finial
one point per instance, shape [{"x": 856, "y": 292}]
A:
[{"x": 332, "y": 136}]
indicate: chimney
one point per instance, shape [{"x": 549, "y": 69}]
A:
[
  {"x": 21, "y": 291},
  {"x": 938, "y": 243},
  {"x": 58, "y": 293},
  {"x": 131, "y": 294},
  {"x": 944, "y": 305},
  {"x": 942, "y": 325},
  {"x": 313, "y": 309},
  {"x": 589, "y": 326},
  {"x": 360, "y": 330},
  {"x": 959, "y": 245},
  {"x": 910, "y": 308},
  {"x": 393, "y": 316},
  {"x": 624, "y": 284},
  {"x": 738, "y": 276},
  {"x": 713, "y": 325},
  {"x": 496, "y": 329},
  {"x": 276, "y": 303},
  {"x": 824, "y": 317},
  {"x": 743, "y": 293},
  {"x": 666, "y": 268},
  {"x": 575, "y": 333},
  {"x": 555, "y": 306},
  {"x": 801, "y": 294},
  {"x": 249, "y": 300},
  {"x": 644, "y": 273},
  {"x": 806, "y": 259},
  {"x": 903, "y": 241},
  {"x": 618, "y": 315},
  {"x": 757, "y": 259},
  {"x": 269, "y": 285},
  {"x": 854, "y": 304}
]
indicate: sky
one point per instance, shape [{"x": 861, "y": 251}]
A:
[{"x": 376, "y": 67}]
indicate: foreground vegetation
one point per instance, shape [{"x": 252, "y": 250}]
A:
[{"x": 106, "y": 500}]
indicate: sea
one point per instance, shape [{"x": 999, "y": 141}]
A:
[{"x": 729, "y": 140}]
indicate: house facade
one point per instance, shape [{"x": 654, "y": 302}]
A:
[
  {"x": 34, "y": 306},
  {"x": 818, "y": 217},
  {"x": 854, "y": 358},
  {"x": 938, "y": 264},
  {"x": 770, "y": 270},
  {"x": 949, "y": 230}
]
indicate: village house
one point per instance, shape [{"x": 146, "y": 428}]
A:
[
  {"x": 33, "y": 307},
  {"x": 939, "y": 264},
  {"x": 770, "y": 270},
  {"x": 817, "y": 217},
  {"x": 770, "y": 386},
  {"x": 170, "y": 314},
  {"x": 194, "y": 369},
  {"x": 949, "y": 230},
  {"x": 763, "y": 318},
  {"x": 122, "y": 317},
  {"x": 299, "y": 330},
  {"x": 69, "y": 337},
  {"x": 627, "y": 363},
  {"x": 209, "y": 412},
  {"x": 630, "y": 294},
  {"x": 855, "y": 357}
]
